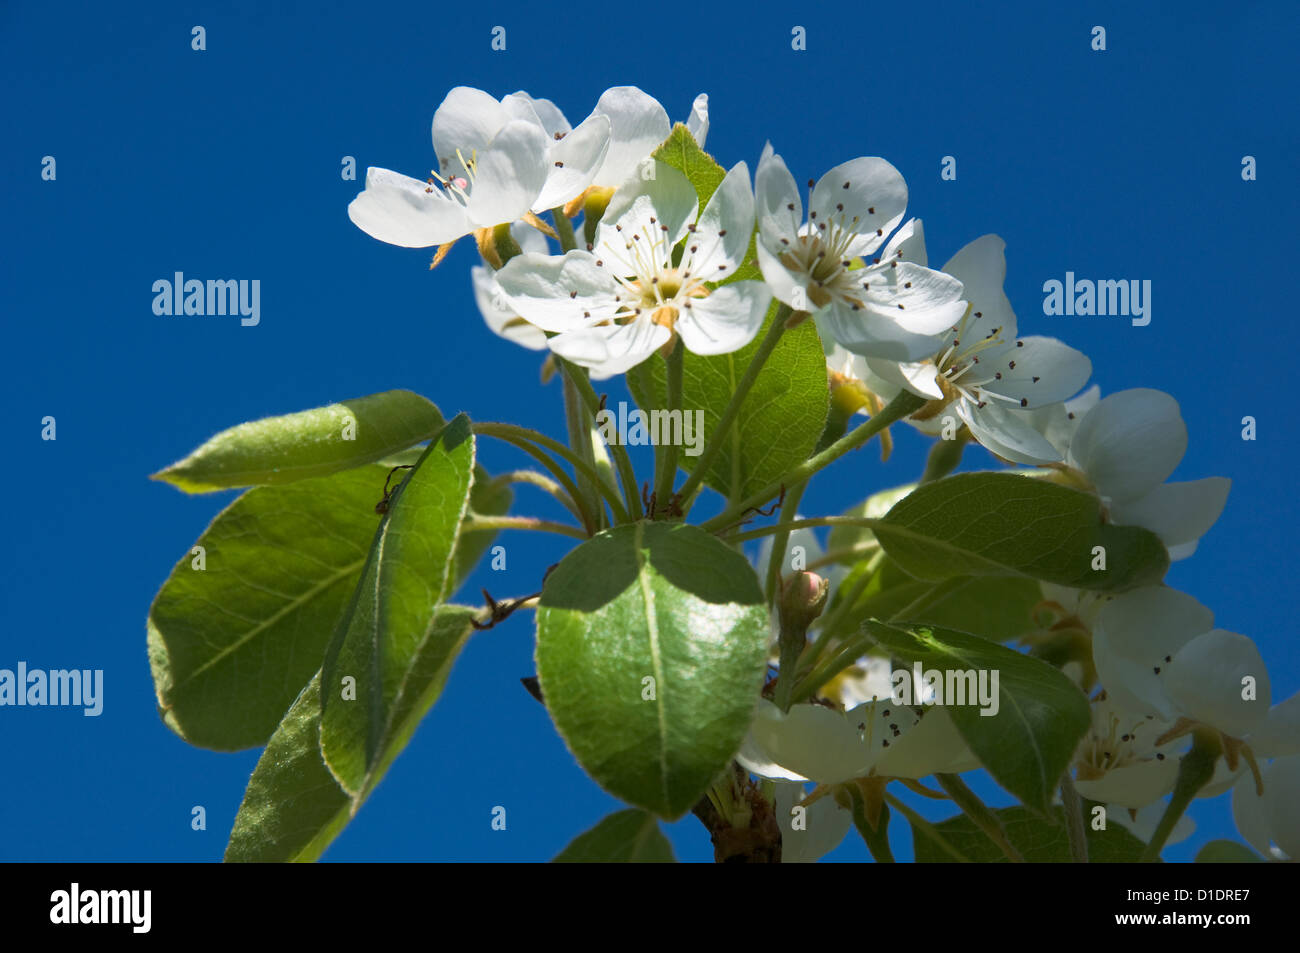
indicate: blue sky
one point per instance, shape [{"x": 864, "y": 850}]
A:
[{"x": 226, "y": 163}]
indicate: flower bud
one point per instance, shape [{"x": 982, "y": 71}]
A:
[{"x": 803, "y": 597}]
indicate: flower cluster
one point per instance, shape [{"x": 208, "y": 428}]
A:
[{"x": 646, "y": 263}]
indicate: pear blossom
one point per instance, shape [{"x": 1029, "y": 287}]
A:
[
  {"x": 888, "y": 308},
  {"x": 498, "y": 161},
  {"x": 491, "y": 300},
  {"x": 613, "y": 306},
  {"x": 1156, "y": 652},
  {"x": 1126, "y": 446},
  {"x": 874, "y": 739},
  {"x": 1119, "y": 761},
  {"x": 983, "y": 372}
]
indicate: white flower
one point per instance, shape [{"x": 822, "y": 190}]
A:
[
  {"x": 879, "y": 738},
  {"x": 1270, "y": 818},
  {"x": 1119, "y": 762},
  {"x": 614, "y": 306},
  {"x": 497, "y": 162},
  {"x": 1127, "y": 446},
  {"x": 638, "y": 124},
  {"x": 983, "y": 372},
  {"x": 822, "y": 828},
  {"x": 888, "y": 308},
  {"x": 1156, "y": 652}
]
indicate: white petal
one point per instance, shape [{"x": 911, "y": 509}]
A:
[
  {"x": 871, "y": 335},
  {"x": 981, "y": 267},
  {"x": 638, "y": 124},
  {"x": 547, "y": 113},
  {"x": 1134, "y": 785},
  {"x": 754, "y": 758},
  {"x": 933, "y": 745},
  {"x": 1007, "y": 432},
  {"x": 611, "y": 349},
  {"x": 788, "y": 287},
  {"x": 572, "y": 163},
  {"x": 500, "y": 316},
  {"x": 824, "y": 824},
  {"x": 919, "y": 378},
  {"x": 1130, "y": 442},
  {"x": 1045, "y": 371},
  {"x": 1058, "y": 422},
  {"x": 1133, "y": 635},
  {"x": 724, "y": 228},
  {"x": 908, "y": 244},
  {"x": 509, "y": 174},
  {"x": 726, "y": 320},
  {"x": 1206, "y": 681},
  {"x": 559, "y": 293},
  {"x": 668, "y": 197},
  {"x": 866, "y": 195},
  {"x": 1279, "y": 734},
  {"x": 1249, "y": 811},
  {"x": 1282, "y": 792},
  {"x": 698, "y": 123},
  {"x": 816, "y": 742},
  {"x": 1176, "y": 512},
  {"x": 1148, "y": 818},
  {"x": 776, "y": 192},
  {"x": 399, "y": 210},
  {"x": 919, "y": 300},
  {"x": 467, "y": 119}
]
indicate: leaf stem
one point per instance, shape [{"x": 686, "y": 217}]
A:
[
  {"x": 542, "y": 482},
  {"x": 978, "y": 811},
  {"x": 902, "y": 405},
  {"x": 1073, "y": 805},
  {"x": 626, "y": 474},
  {"x": 919, "y": 823},
  {"x": 563, "y": 230},
  {"x": 776, "y": 561},
  {"x": 475, "y": 523},
  {"x": 717, "y": 439},
  {"x": 579, "y": 430}
]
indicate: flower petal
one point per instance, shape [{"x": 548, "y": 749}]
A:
[
  {"x": 1279, "y": 734},
  {"x": 822, "y": 825},
  {"x": 638, "y": 124},
  {"x": 1207, "y": 679},
  {"x": 908, "y": 244},
  {"x": 1037, "y": 371},
  {"x": 667, "y": 197},
  {"x": 559, "y": 293},
  {"x": 467, "y": 119},
  {"x": 780, "y": 210},
  {"x": 572, "y": 163},
  {"x": 509, "y": 174},
  {"x": 820, "y": 744},
  {"x": 865, "y": 195},
  {"x": 399, "y": 210},
  {"x": 698, "y": 122},
  {"x": 1178, "y": 513},
  {"x": 609, "y": 350},
  {"x": 981, "y": 267},
  {"x": 1007, "y": 432},
  {"x": 724, "y": 228},
  {"x": 726, "y": 320},
  {"x": 1130, "y": 442},
  {"x": 500, "y": 316}
]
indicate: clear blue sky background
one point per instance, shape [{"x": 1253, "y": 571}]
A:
[{"x": 225, "y": 163}]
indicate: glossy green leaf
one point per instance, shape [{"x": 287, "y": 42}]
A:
[
  {"x": 307, "y": 444},
  {"x": 294, "y": 807},
  {"x": 1040, "y": 840},
  {"x": 232, "y": 644},
  {"x": 407, "y": 574},
  {"x": 627, "y": 837},
  {"x": 779, "y": 422},
  {"x": 1227, "y": 852},
  {"x": 651, "y": 649},
  {"x": 1040, "y": 714},
  {"x": 1001, "y": 524}
]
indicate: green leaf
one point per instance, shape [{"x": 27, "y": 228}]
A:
[
  {"x": 307, "y": 444},
  {"x": 1227, "y": 852},
  {"x": 651, "y": 649},
  {"x": 485, "y": 499},
  {"x": 628, "y": 837},
  {"x": 780, "y": 420},
  {"x": 873, "y": 507},
  {"x": 1040, "y": 717},
  {"x": 681, "y": 151},
  {"x": 232, "y": 644},
  {"x": 1000, "y": 524},
  {"x": 1039, "y": 840},
  {"x": 378, "y": 640},
  {"x": 294, "y": 808}
]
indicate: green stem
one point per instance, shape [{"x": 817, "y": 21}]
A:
[
  {"x": 944, "y": 457},
  {"x": 919, "y": 823},
  {"x": 667, "y": 453},
  {"x": 841, "y": 553},
  {"x": 563, "y": 229},
  {"x": 876, "y": 838},
  {"x": 475, "y": 523},
  {"x": 978, "y": 811},
  {"x": 623, "y": 462},
  {"x": 542, "y": 482},
  {"x": 1074, "y": 827},
  {"x": 902, "y": 405},
  {"x": 525, "y": 439},
  {"x": 717, "y": 439},
  {"x": 776, "y": 562},
  {"x": 579, "y": 428},
  {"x": 1194, "y": 772},
  {"x": 866, "y": 522},
  {"x": 845, "y": 605}
]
